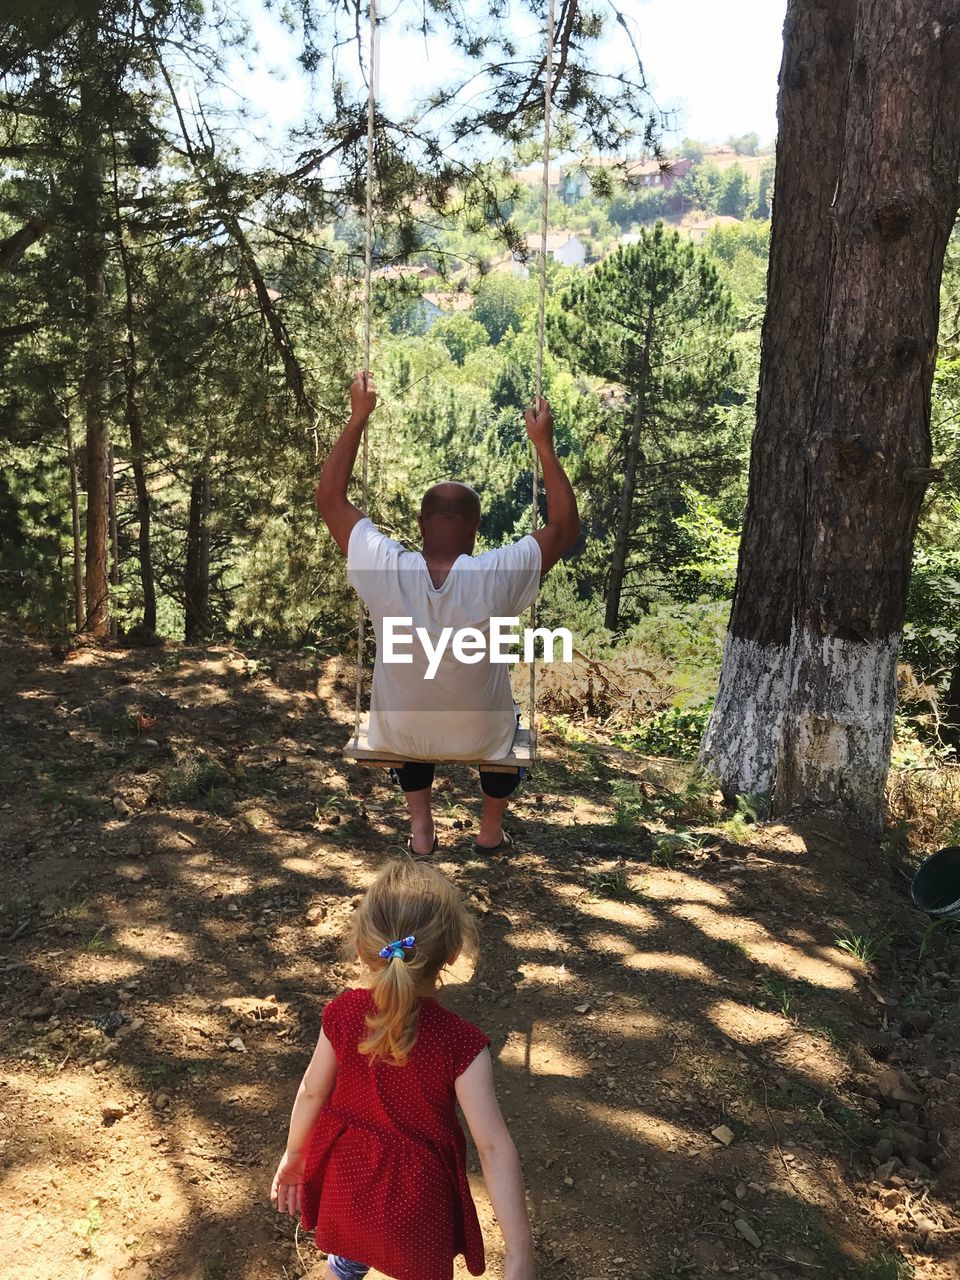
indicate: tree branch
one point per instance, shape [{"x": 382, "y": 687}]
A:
[{"x": 14, "y": 247}]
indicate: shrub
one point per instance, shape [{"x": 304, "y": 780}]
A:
[{"x": 673, "y": 732}]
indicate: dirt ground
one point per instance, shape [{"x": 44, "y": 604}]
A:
[{"x": 700, "y": 1080}]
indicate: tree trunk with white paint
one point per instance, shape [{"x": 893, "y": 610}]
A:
[
  {"x": 741, "y": 743},
  {"x": 868, "y": 460}
]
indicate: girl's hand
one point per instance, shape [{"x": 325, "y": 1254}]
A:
[{"x": 287, "y": 1189}]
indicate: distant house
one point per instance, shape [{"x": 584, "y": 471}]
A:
[
  {"x": 564, "y": 247},
  {"x": 698, "y": 231},
  {"x": 656, "y": 174},
  {"x": 532, "y": 176},
  {"x": 459, "y": 301},
  {"x": 575, "y": 178},
  {"x": 423, "y": 313},
  {"x": 406, "y": 271}
]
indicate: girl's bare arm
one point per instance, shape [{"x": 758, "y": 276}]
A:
[
  {"x": 500, "y": 1163},
  {"x": 315, "y": 1088}
]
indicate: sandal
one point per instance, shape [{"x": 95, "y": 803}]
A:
[
  {"x": 505, "y": 843},
  {"x": 413, "y": 852}
]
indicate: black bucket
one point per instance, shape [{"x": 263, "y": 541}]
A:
[{"x": 936, "y": 884}]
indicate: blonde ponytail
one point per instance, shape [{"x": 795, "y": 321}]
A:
[{"x": 407, "y": 899}]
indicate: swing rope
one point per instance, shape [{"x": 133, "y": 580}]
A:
[
  {"x": 367, "y": 327},
  {"x": 541, "y": 317}
]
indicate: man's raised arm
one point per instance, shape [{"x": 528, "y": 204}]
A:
[
  {"x": 563, "y": 519},
  {"x": 339, "y": 513}
]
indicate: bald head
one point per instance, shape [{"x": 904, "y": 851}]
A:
[{"x": 451, "y": 501}]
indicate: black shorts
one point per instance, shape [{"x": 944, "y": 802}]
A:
[{"x": 417, "y": 775}]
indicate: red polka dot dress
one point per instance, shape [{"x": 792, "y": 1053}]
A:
[{"x": 386, "y": 1179}]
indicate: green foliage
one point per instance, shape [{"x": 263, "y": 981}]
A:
[
  {"x": 777, "y": 992},
  {"x": 862, "y": 947},
  {"x": 734, "y": 195},
  {"x": 711, "y": 570},
  {"x": 612, "y": 884},
  {"x": 690, "y": 639},
  {"x": 502, "y": 302},
  {"x": 639, "y": 208},
  {"x": 35, "y": 553},
  {"x": 196, "y": 780},
  {"x": 653, "y": 319},
  {"x": 764, "y": 206},
  {"x": 889, "y": 1265},
  {"x": 673, "y": 733},
  {"x": 700, "y": 188},
  {"x": 748, "y": 144},
  {"x": 460, "y": 334}
]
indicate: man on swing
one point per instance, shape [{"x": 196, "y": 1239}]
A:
[{"x": 464, "y": 710}]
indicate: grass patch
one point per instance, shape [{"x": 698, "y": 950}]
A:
[
  {"x": 777, "y": 994},
  {"x": 612, "y": 884},
  {"x": 750, "y": 810},
  {"x": 636, "y": 801},
  {"x": 88, "y": 1226},
  {"x": 58, "y": 793},
  {"x": 99, "y": 942},
  {"x": 668, "y": 846},
  {"x": 729, "y": 949},
  {"x": 931, "y": 929},
  {"x": 199, "y": 780},
  {"x": 862, "y": 947},
  {"x": 830, "y": 1032},
  {"x": 889, "y": 1265},
  {"x": 73, "y": 907}
]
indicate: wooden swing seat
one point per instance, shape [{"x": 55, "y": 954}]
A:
[{"x": 523, "y": 754}]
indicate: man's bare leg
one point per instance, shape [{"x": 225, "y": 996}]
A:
[
  {"x": 422, "y": 830},
  {"x": 491, "y": 821}
]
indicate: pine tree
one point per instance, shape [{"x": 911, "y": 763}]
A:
[{"x": 653, "y": 318}]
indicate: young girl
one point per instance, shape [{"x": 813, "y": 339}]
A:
[{"x": 375, "y": 1158}]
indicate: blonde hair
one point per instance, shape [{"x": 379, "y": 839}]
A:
[{"x": 407, "y": 898}]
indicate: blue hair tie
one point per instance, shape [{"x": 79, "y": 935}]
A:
[{"x": 395, "y": 950}]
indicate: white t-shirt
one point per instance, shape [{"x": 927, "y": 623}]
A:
[{"x": 466, "y": 711}]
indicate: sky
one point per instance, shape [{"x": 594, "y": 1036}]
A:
[{"x": 713, "y": 64}]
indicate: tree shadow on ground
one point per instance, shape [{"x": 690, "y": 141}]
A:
[{"x": 174, "y": 920}]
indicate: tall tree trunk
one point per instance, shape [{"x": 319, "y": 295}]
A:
[
  {"x": 135, "y": 428},
  {"x": 79, "y": 609},
  {"x": 950, "y": 720},
  {"x": 868, "y": 462},
  {"x": 741, "y": 743},
  {"x": 114, "y": 535},
  {"x": 145, "y": 544},
  {"x": 621, "y": 541},
  {"x": 93, "y": 379},
  {"x": 197, "y": 573}
]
